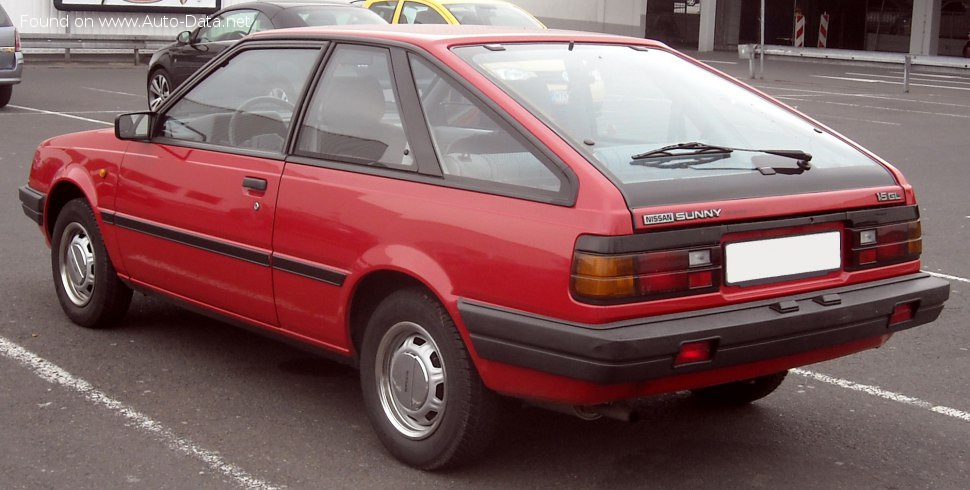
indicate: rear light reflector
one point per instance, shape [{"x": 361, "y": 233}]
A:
[
  {"x": 903, "y": 312},
  {"x": 693, "y": 352},
  {"x": 885, "y": 245},
  {"x": 16, "y": 40},
  {"x": 600, "y": 278}
]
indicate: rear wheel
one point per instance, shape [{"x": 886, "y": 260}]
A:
[
  {"x": 6, "y": 91},
  {"x": 422, "y": 392},
  {"x": 87, "y": 285},
  {"x": 741, "y": 392}
]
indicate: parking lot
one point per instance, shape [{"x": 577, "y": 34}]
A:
[{"x": 172, "y": 399}]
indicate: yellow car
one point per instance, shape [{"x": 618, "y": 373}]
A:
[{"x": 467, "y": 12}]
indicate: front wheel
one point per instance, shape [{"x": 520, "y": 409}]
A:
[
  {"x": 421, "y": 391},
  {"x": 159, "y": 88},
  {"x": 741, "y": 392},
  {"x": 87, "y": 285}
]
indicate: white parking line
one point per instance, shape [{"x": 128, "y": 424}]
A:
[
  {"x": 52, "y": 113},
  {"x": 881, "y": 393},
  {"x": 914, "y": 78},
  {"x": 113, "y": 92},
  {"x": 946, "y": 276},
  {"x": 53, "y": 374},
  {"x": 867, "y": 80},
  {"x": 814, "y": 93}
]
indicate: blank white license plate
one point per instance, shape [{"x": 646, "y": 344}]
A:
[{"x": 783, "y": 258}]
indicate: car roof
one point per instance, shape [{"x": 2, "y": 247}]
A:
[{"x": 428, "y": 35}]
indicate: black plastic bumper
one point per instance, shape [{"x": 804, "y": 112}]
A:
[
  {"x": 33, "y": 204},
  {"x": 645, "y": 349}
]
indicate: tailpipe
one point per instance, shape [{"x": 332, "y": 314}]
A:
[{"x": 616, "y": 411}]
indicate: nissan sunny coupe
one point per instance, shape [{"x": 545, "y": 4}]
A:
[{"x": 572, "y": 219}]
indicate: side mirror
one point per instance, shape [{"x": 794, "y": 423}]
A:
[
  {"x": 136, "y": 126},
  {"x": 184, "y": 37}
]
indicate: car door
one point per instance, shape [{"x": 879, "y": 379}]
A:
[
  {"x": 210, "y": 39},
  {"x": 196, "y": 204}
]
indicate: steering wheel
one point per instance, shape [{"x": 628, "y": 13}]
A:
[{"x": 236, "y": 135}]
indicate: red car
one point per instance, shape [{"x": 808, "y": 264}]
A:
[{"x": 568, "y": 218}]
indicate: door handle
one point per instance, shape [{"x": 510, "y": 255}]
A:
[{"x": 254, "y": 183}]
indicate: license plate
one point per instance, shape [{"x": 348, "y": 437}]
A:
[{"x": 776, "y": 259}]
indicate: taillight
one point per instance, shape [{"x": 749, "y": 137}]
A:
[
  {"x": 884, "y": 245},
  {"x": 598, "y": 278},
  {"x": 16, "y": 40}
]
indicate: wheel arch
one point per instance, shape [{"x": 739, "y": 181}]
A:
[
  {"x": 369, "y": 291},
  {"x": 60, "y": 194}
]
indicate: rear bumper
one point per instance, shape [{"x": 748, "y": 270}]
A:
[
  {"x": 645, "y": 349},
  {"x": 13, "y": 75}
]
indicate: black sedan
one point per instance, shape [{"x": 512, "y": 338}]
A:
[{"x": 173, "y": 64}]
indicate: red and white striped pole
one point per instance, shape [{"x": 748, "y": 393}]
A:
[
  {"x": 823, "y": 30},
  {"x": 799, "y": 30}
]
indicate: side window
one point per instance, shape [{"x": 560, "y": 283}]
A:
[
  {"x": 231, "y": 26},
  {"x": 246, "y": 103},
  {"x": 416, "y": 13},
  {"x": 353, "y": 115},
  {"x": 470, "y": 142},
  {"x": 385, "y": 10}
]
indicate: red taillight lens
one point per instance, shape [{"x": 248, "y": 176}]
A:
[
  {"x": 650, "y": 275},
  {"x": 885, "y": 245},
  {"x": 16, "y": 40}
]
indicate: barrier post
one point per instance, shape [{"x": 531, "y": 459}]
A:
[{"x": 906, "y": 67}]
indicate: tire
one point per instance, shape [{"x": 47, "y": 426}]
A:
[
  {"x": 86, "y": 283},
  {"x": 159, "y": 88},
  {"x": 740, "y": 392},
  {"x": 445, "y": 419},
  {"x": 6, "y": 91}
]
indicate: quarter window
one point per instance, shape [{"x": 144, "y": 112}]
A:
[
  {"x": 247, "y": 103},
  {"x": 353, "y": 115},
  {"x": 471, "y": 144}
]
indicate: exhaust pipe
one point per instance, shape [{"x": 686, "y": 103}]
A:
[{"x": 615, "y": 411}]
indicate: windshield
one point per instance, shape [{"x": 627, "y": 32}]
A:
[
  {"x": 336, "y": 16},
  {"x": 615, "y": 103},
  {"x": 491, "y": 15}
]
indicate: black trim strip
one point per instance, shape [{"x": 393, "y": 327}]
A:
[
  {"x": 222, "y": 248},
  {"x": 309, "y": 271},
  {"x": 711, "y": 235},
  {"x": 108, "y": 217},
  {"x": 32, "y": 203}
]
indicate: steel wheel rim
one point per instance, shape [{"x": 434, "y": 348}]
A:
[
  {"x": 411, "y": 380},
  {"x": 158, "y": 90},
  {"x": 77, "y": 264}
]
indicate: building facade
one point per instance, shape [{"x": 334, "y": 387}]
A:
[{"x": 923, "y": 27}]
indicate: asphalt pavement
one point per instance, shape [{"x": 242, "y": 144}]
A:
[{"x": 171, "y": 399}]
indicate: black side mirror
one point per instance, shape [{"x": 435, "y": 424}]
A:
[
  {"x": 136, "y": 126},
  {"x": 184, "y": 37}
]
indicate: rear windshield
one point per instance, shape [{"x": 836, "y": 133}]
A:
[
  {"x": 4, "y": 20},
  {"x": 616, "y": 103},
  {"x": 336, "y": 16}
]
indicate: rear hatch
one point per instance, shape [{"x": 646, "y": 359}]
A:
[{"x": 733, "y": 196}]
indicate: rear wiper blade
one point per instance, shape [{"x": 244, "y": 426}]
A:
[
  {"x": 683, "y": 151},
  {"x": 691, "y": 148}
]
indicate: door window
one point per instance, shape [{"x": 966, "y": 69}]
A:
[
  {"x": 471, "y": 144},
  {"x": 384, "y": 9},
  {"x": 353, "y": 115},
  {"x": 230, "y": 26},
  {"x": 247, "y": 103},
  {"x": 417, "y": 13}
]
